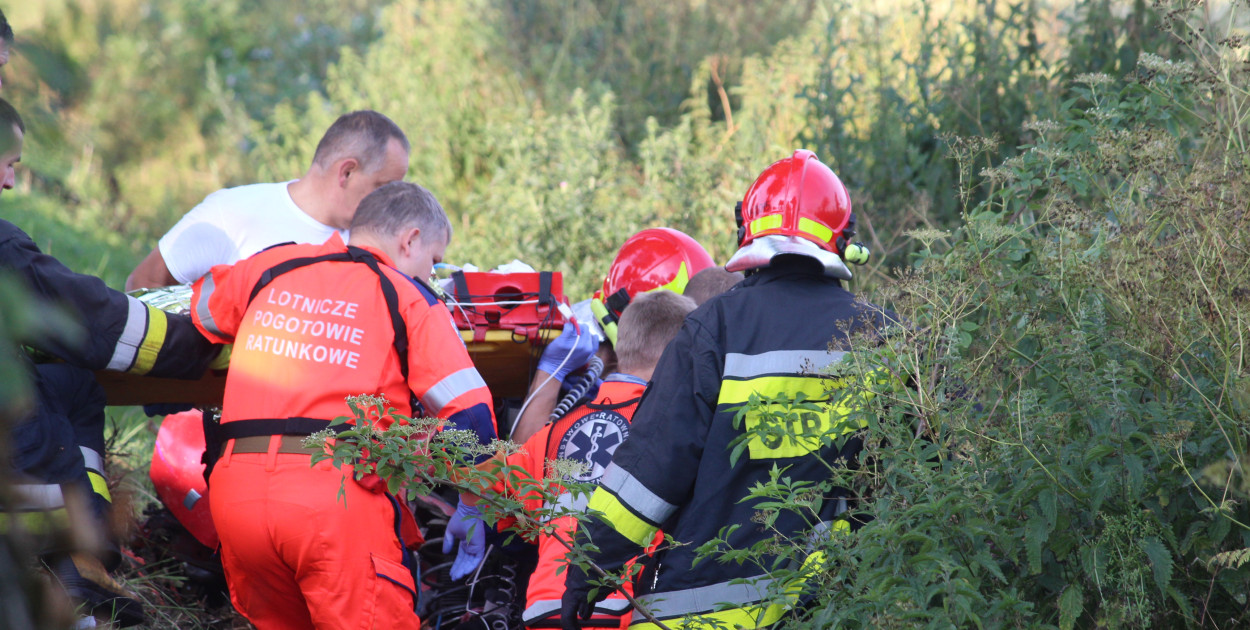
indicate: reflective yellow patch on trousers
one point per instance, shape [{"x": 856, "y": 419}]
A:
[{"x": 748, "y": 617}]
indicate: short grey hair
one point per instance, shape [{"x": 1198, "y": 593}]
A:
[
  {"x": 399, "y": 206},
  {"x": 362, "y": 135}
]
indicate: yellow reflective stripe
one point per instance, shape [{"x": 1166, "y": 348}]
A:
[
  {"x": 757, "y": 616},
  {"x": 804, "y": 431},
  {"x": 153, "y": 339},
  {"x": 99, "y": 485},
  {"x": 223, "y": 359},
  {"x": 814, "y": 229},
  {"x": 738, "y": 392},
  {"x": 625, "y": 522},
  {"x": 764, "y": 223},
  {"x": 748, "y": 617},
  {"x": 39, "y": 522},
  {"x": 678, "y": 284}
]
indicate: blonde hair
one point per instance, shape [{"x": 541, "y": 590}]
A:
[{"x": 647, "y": 325}]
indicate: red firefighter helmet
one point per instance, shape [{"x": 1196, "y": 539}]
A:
[
  {"x": 797, "y": 206},
  {"x": 655, "y": 258}
]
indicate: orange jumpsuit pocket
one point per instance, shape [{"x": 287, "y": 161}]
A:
[{"x": 395, "y": 593}]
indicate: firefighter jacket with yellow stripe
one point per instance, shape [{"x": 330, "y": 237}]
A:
[
  {"x": 770, "y": 335},
  {"x": 122, "y": 333},
  {"x": 119, "y": 333}
]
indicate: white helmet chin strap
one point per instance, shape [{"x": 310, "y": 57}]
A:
[{"x": 760, "y": 252}]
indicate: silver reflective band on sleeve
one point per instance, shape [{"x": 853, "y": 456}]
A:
[
  {"x": 567, "y": 504},
  {"x": 37, "y": 497},
  {"x": 127, "y": 347},
  {"x": 92, "y": 460},
  {"x": 540, "y": 609},
  {"x": 779, "y": 362},
  {"x": 201, "y": 306},
  {"x": 450, "y": 388},
  {"x": 544, "y": 607},
  {"x": 703, "y": 599},
  {"x": 632, "y": 493}
]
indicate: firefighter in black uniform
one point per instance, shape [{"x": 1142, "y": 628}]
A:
[
  {"x": 771, "y": 335},
  {"x": 58, "y": 447}
]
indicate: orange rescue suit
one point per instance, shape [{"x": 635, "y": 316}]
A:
[
  {"x": 588, "y": 434},
  {"x": 297, "y": 555}
]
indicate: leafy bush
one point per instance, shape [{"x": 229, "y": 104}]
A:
[{"x": 1070, "y": 449}]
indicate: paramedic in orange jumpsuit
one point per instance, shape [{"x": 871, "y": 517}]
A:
[
  {"x": 307, "y": 334},
  {"x": 590, "y": 434}
]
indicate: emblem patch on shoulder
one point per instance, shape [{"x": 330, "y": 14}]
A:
[{"x": 592, "y": 439}]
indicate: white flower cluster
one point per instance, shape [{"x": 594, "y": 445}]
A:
[{"x": 1155, "y": 63}]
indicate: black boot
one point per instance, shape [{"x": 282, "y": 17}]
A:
[{"x": 86, "y": 581}]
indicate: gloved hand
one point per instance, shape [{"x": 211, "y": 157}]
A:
[
  {"x": 467, "y": 527},
  {"x": 576, "y": 605},
  {"x": 569, "y": 351}
]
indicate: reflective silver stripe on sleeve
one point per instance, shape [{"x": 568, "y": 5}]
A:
[
  {"x": 37, "y": 497},
  {"x": 567, "y": 504},
  {"x": 450, "y": 388},
  {"x": 201, "y": 306},
  {"x": 92, "y": 460},
  {"x": 542, "y": 608},
  {"x": 127, "y": 347},
  {"x": 779, "y": 362},
  {"x": 703, "y": 599},
  {"x": 636, "y": 496}
]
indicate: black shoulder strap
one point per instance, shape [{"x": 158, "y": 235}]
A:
[
  {"x": 545, "y": 296},
  {"x": 353, "y": 254},
  {"x": 460, "y": 287},
  {"x": 614, "y": 406}
]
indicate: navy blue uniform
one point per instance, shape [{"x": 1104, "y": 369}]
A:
[
  {"x": 62, "y": 442},
  {"x": 771, "y": 335}
]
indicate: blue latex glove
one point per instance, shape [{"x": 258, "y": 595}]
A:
[
  {"x": 467, "y": 527},
  {"x": 569, "y": 351}
]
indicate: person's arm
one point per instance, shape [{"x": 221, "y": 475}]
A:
[
  {"x": 567, "y": 352},
  {"x": 220, "y": 298},
  {"x": 442, "y": 375},
  {"x": 543, "y": 396},
  {"x": 199, "y": 241},
  {"x": 151, "y": 273}
]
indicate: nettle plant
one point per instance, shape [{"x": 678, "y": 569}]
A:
[
  {"x": 1057, "y": 435},
  {"x": 1069, "y": 449},
  {"x": 415, "y": 455}
]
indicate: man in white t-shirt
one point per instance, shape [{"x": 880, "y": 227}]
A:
[{"x": 358, "y": 153}]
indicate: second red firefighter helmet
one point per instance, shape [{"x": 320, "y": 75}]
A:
[
  {"x": 655, "y": 258},
  {"x": 797, "y": 206}
]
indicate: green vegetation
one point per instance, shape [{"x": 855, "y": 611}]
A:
[{"x": 1054, "y": 192}]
